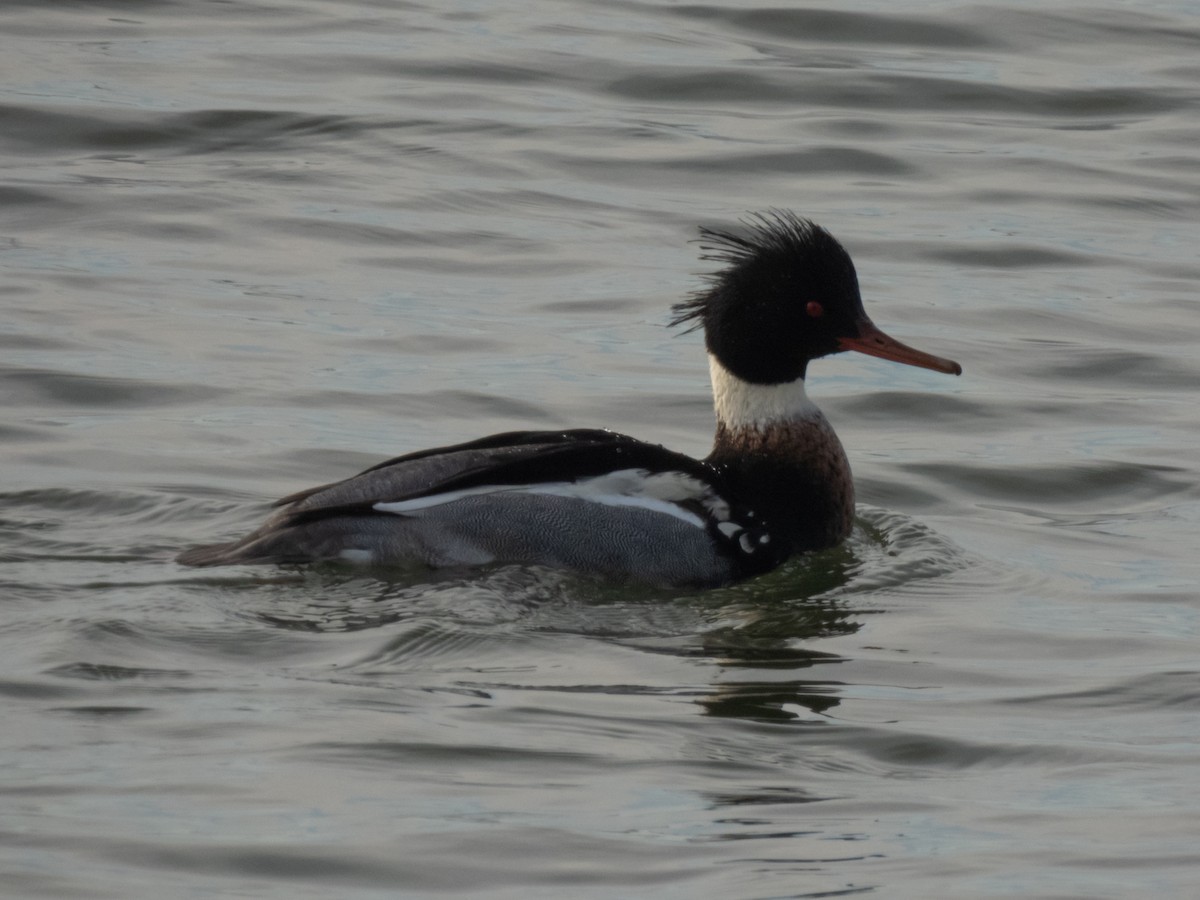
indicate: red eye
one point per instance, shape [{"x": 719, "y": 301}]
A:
[{"x": 814, "y": 309}]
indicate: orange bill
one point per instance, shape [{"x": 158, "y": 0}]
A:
[{"x": 873, "y": 342}]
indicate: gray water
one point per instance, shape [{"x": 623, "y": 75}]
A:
[{"x": 250, "y": 247}]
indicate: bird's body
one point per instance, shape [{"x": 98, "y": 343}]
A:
[{"x": 776, "y": 483}]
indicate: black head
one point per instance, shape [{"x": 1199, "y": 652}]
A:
[{"x": 788, "y": 294}]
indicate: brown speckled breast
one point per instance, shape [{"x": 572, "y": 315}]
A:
[{"x": 799, "y": 475}]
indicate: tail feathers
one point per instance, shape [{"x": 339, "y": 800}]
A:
[{"x": 217, "y": 555}]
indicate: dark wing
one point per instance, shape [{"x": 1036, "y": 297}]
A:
[
  {"x": 509, "y": 439},
  {"x": 525, "y": 457},
  {"x": 479, "y": 453}
]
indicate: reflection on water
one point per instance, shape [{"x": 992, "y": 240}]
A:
[{"x": 468, "y": 622}]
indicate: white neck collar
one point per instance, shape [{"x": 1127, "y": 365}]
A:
[{"x": 743, "y": 404}]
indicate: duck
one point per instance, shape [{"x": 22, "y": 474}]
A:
[{"x": 596, "y": 502}]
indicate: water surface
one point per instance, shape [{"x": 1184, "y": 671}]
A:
[{"x": 246, "y": 248}]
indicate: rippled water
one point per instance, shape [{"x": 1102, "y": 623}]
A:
[{"x": 246, "y": 248}]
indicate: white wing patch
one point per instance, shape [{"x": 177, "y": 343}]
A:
[{"x": 660, "y": 492}]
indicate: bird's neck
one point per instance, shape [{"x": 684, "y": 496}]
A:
[
  {"x": 743, "y": 404},
  {"x": 775, "y": 444}
]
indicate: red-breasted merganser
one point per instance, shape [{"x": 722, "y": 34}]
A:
[{"x": 776, "y": 483}]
